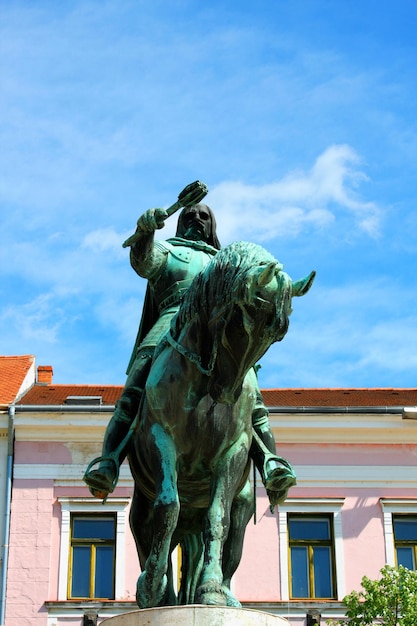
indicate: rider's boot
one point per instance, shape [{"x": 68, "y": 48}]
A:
[
  {"x": 103, "y": 480},
  {"x": 276, "y": 472}
]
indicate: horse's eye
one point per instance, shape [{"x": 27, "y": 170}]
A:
[{"x": 237, "y": 317}]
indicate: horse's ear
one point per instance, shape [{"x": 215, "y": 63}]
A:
[
  {"x": 300, "y": 287},
  {"x": 267, "y": 274}
]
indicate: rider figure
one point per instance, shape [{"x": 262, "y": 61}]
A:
[{"x": 170, "y": 266}]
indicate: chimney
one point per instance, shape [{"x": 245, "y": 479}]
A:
[{"x": 45, "y": 373}]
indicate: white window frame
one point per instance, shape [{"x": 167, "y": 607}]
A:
[
  {"x": 391, "y": 506},
  {"x": 70, "y": 506},
  {"x": 308, "y": 506}
]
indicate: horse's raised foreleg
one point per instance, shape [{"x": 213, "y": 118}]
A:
[
  {"x": 224, "y": 485},
  {"x": 152, "y": 583}
]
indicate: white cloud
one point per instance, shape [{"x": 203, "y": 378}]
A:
[
  {"x": 104, "y": 240},
  {"x": 300, "y": 200},
  {"x": 38, "y": 320}
]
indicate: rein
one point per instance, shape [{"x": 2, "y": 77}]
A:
[{"x": 192, "y": 356}]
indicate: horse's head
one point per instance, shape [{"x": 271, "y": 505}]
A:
[
  {"x": 244, "y": 326},
  {"x": 244, "y": 298}
]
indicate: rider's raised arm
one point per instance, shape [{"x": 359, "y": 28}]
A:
[{"x": 146, "y": 257}]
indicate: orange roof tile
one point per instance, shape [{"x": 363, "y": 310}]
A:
[
  {"x": 50, "y": 394},
  {"x": 13, "y": 371},
  {"x": 340, "y": 397},
  {"x": 42, "y": 394}
]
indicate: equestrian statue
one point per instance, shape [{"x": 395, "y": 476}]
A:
[{"x": 191, "y": 416}]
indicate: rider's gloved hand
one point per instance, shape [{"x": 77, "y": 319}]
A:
[{"x": 152, "y": 220}]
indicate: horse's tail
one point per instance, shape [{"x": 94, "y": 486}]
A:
[{"x": 192, "y": 555}]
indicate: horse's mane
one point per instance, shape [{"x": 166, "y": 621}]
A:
[{"x": 222, "y": 281}]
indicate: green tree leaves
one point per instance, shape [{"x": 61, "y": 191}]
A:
[{"x": 388, "y": 601}]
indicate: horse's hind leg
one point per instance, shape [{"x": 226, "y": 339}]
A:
[{"x": 152, "y": 586}]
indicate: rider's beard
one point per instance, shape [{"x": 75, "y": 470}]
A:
[{"x": 196, "y": 232}]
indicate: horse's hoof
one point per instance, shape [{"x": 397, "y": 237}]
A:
[
  {"x": 231, "y": 600},
  {"x": 148, "y": 594},
  {"x": 211, "y": 593}
]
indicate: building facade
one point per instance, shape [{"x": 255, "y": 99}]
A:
[
  {"x": 17, "y": 375},
  {"x": 72, "y": 560}
]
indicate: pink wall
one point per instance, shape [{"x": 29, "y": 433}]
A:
[
  {"x": 42, "y": 452},
  {"x": 363, "y": 537},
  {"x": 30, "y": 553},
  {"x": 349, "y": 454},
  {"x": 257, "y": 578}
]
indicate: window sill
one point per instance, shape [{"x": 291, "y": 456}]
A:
[{"x": 61, "y": 609}]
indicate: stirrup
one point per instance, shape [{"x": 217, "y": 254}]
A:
[
  {"x": 278, "y": 480},
  {"x": 283, "y": 466},
  {"x": 268, "y": 456},
  {"x": 94, "y": 486}
]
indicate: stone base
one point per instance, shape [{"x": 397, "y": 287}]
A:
[{"x": 196, "y": 615}]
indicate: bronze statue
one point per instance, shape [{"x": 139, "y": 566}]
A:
[{"x": 191, "y": 413}]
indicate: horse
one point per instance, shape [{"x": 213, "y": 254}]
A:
[{"x": 190, "y": 451}]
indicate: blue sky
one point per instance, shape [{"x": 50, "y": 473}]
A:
[{"x": 301, "y": 118}]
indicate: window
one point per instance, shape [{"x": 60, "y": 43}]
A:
[
  {"x": 92, "y": 556},
  {"x": 311, "y": 556},
  {"x": 400, "y": 531},
  {"x": 311, "y": 548},
  {"x": 91, "y": 540},
  {"x": 405, "y": 540}
]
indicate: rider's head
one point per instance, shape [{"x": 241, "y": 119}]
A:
[{"x": 198, "y": 223}]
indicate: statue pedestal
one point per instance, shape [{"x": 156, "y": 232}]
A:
[{"x": 195, "y": 615}]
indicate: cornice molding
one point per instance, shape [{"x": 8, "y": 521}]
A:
[
  {"x": 295, "y": 427},
  {"x": 308, "y": 476},
  {"x": 59, "y": 426},
  {"x": 64, "y": 475},
  {"x": 323, "y": 427}
]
